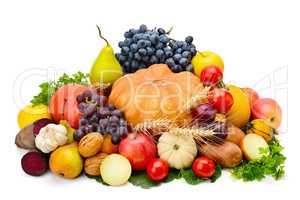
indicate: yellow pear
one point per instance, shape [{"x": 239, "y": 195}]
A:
[
  {"x": 70, "y": 130},
  {"x": 65, "y": 161},
  {"x": 106, "y": 68}
]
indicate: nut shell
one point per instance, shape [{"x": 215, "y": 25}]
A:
[
  {"x": 92, "y": 164},
  {"x": 90, "y": 144}
]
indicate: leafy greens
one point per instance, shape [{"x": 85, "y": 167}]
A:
[
  {"x": 269, "y": 165},
  {"x": 48, "y": 88}
]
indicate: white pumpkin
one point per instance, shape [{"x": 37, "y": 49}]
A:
[{"x": 177, "y": 149}]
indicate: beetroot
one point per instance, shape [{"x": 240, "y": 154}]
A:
[
  {"x": 34, "y": 163},
  {"x": 37, "y": 125}
]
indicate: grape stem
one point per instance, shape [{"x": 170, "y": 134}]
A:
[{"x": 100, "y": 35}]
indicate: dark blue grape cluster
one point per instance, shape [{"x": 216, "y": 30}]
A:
[{"x": 143, "y": 47}]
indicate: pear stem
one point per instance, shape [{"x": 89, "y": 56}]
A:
[
  {"x": 100, "y": 35},
  {"x": 201, "y": 54},
  {"x": 169, "y": 31}
]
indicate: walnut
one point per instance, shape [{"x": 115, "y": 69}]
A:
[
  {"x": 92, "y": 164},
  {"x": 90, "y": 144}
]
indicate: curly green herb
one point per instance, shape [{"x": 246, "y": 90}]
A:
[
  {"x": 270, "y": 165},
  {"x": 48, "y": 88}
]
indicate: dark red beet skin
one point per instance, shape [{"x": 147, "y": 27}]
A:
[{"x": 34, "y": 163}]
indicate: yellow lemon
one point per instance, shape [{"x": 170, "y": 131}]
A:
[
  {"x": 30, "y": 114},
  {"x": 239, "y": 113}
]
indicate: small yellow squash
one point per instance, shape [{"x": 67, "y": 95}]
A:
[
  {"x": 177, "y": 149},
  {"x": 261, "y": 127}
]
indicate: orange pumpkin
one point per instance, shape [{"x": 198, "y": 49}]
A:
[{"x": 155, "y": 93}]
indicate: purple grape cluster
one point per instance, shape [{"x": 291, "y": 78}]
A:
[
  {"x": 99, "y": 116},
  {"x": 143, "y": 47}
]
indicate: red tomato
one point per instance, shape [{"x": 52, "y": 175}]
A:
[
  {"x": 211, "y": 75},
  {"x": 157, "y": 169},
  {"x": 203, "y": 167},
  {"x": 221, "y": 100}
]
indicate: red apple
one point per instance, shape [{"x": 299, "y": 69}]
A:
[
  {"x": 251, "y": 94},
  {"x": 268, "y": 109},
  {"x": 139, "y": 149}
]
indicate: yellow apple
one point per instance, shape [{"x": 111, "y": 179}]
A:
[
  {"x": 239, "y": 113},
  {"x": 66, "y": 161},
  {"x": 205, "y": 59}
]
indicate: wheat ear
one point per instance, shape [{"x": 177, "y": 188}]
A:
[
  {"x": 193, "y": 101},
  {"x": 159, "y": 125},
  {"x": 200, "y": 135}
]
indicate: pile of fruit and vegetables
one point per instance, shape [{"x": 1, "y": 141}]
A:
[{"x": 155, "y": 111}]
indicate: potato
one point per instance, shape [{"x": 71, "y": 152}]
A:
[
  {"x": 235, "y": 134},
  {"x": 227, "y": 154},
  {"x": 25, "y": 138},
  {"x": 251, "y": 145}
]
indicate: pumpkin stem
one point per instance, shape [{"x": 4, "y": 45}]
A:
[
  {"x": 176, "y": 147},
  {"x": 248, "y": 126}
]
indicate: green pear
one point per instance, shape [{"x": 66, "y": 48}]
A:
[{"x": 106, "y": 68}]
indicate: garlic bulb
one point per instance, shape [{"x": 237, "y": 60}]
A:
[{"x": 50, "y": 137}]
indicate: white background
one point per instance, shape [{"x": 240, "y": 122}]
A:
[{"x": 255, "y": 40}]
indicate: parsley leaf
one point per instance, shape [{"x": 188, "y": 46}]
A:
[
  {"x": 48, "y": 88},
  {"x": 269, "y": 165}
]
